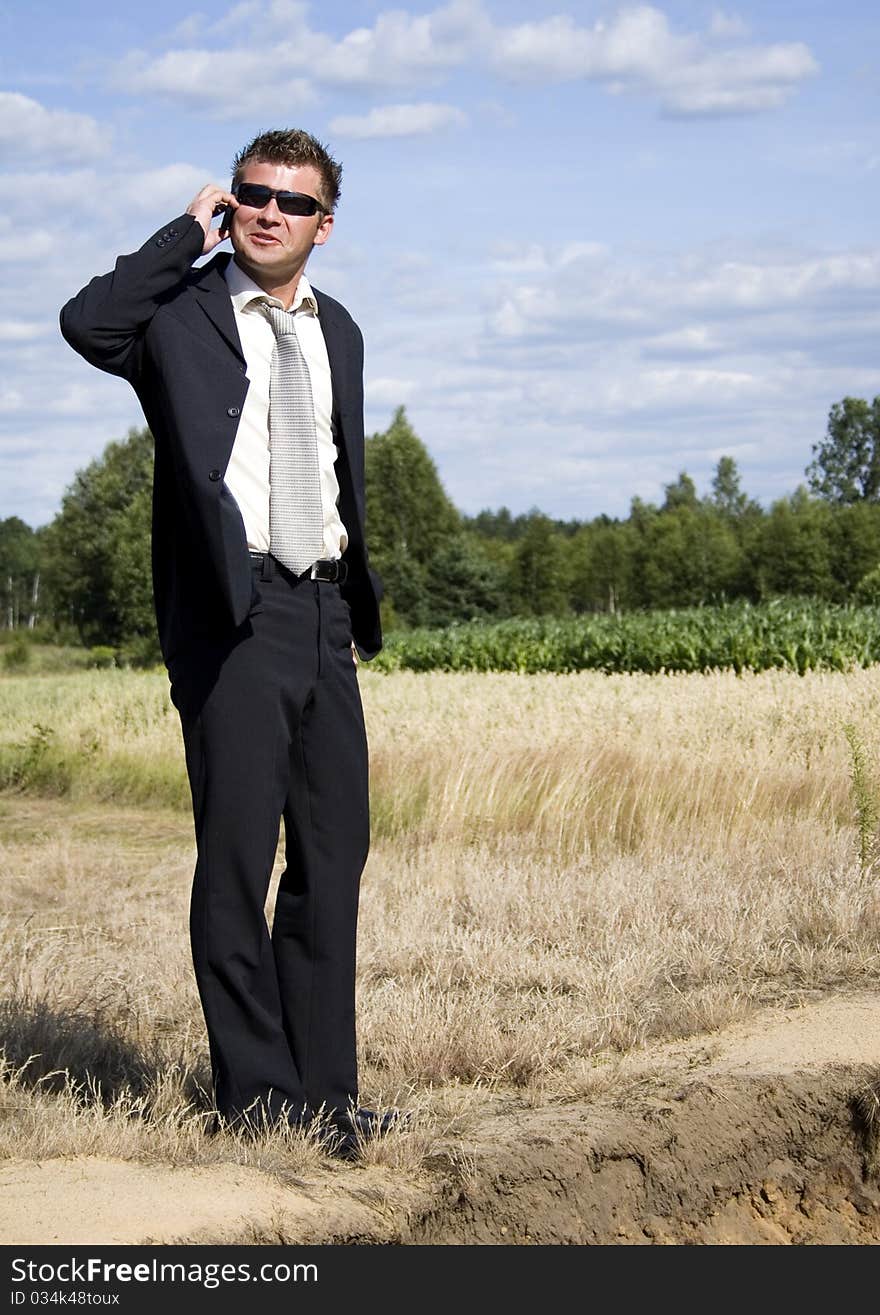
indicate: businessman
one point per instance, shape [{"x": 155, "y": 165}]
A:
[{"x": 251, "y": 381}]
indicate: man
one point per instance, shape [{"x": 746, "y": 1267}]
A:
[{"x": 251, "y": 383}]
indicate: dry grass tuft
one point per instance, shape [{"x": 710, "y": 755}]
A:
[{"x": 866, "y": 1111}]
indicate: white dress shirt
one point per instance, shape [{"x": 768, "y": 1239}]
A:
[{"x": 247, "y": 475}]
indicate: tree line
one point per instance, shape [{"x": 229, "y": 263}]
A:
[{"x": 85, "y": 577}]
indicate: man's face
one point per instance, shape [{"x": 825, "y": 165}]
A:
[{"x": 270, "y": 246}]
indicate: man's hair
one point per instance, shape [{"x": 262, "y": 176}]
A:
[{"x": 292, "y": 147}]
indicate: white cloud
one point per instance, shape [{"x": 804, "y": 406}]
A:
[
  {"x": 399, "y": 121},
  {"x": 165, "y": 191},
  {"x": 76, "y": 399},
  {"x": 736, "y": 81},
  {"x": 190, "y": 29},
  {"x": 753, "y": 285},
  {"x": 728, "y": 25},
  {"x": 687, "y": 386},
  {"x": 388, "y": 391},
  {"x": 226, "y": 83},
  {"x": 639, "y": 52},
  {"x": 23, "y": 330},
  {"x": 689, "y": 341},
  {"x": 557, "y": 49},
  {"x": 595, "y": 296},
  {"x": 22, "y": 245},
  {"x": 29, "y": 130},
  {"x": 831, "y": 156},
  {"x": 67, "y": 187},
  {"x": 11, "y": 399},
  {"x": 537, "y": 259},
  {"x": 281, "y": 59},
  {"x": 242, "y": 15},
  {"x": 403, "y": 49},
  {"x": 157, "y": 194},
  {"x": 512, "y": 256}
]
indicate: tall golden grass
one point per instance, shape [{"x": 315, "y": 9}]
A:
[{"x": 564, "y": 868}]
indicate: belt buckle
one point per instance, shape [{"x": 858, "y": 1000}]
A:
[{"x": 331, "y": 570}]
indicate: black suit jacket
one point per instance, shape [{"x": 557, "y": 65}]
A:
[{"x": 169, "y": 329}]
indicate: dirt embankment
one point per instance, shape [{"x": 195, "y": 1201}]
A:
[{"x": 766, "y": 1133}]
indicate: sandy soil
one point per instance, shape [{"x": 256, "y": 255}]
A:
[{"x": 759, "y": 1134}]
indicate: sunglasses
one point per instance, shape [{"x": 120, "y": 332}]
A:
[{"x": 257, "y": 196}]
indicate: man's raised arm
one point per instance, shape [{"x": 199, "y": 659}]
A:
[{"x": 106, "y": 320}]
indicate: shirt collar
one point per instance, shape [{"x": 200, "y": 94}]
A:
[{"x": 243, "y": 291}]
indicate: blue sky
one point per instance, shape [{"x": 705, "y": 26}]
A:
[{"x": 590, "y": 245}]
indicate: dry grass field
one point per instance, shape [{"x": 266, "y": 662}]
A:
[{"x": 564, "y": 869}]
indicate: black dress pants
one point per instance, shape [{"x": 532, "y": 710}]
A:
[{"x": 273, "y": 726}]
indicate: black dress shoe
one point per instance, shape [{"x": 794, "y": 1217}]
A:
[
  {"x": 353, "y": 1128},
  {"x": 343, "y": 1145},
  {"x": 370, "y": 1123}
]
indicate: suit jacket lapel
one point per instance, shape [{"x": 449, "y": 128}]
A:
[
  {"x": 337, "y": 337},
  {"x": 337, "y": 354},
  {"x": 212, "y": 296}
]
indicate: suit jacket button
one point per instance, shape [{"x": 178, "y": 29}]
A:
[
  {"x": 233, "y": 411},
  {"x": 213, "y": 475}
]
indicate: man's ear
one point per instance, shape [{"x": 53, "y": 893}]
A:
[{"x": 324, "y": 229}]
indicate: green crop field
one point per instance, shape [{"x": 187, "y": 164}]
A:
[{"x": 789, "y": 634}]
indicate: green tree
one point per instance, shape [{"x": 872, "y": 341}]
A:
[
  {"x": 867, "y": 591},
  {"x": 601, "y": 575},
  {"x": 727, "y": 496},
  {"x": 98, "y": 546},
  {"x": 541, "y": 570},
  {"x": 687, "y": 556},
  {"x": 131, "y": 591},
  {"x": 846, "y": 465},
  {"x": 463, "y": 582},
  {"x": 410, "y": 519},
  {"x": 853, "y": 545},
  {"x": 683, "y": 493},
  {"x": 582, "y": 590},
  {"x": 19, "y": 573},
  {"x": 793, "y": 553},
  {"x": 493, "y": 524}
]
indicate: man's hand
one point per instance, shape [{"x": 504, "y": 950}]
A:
[
  {"x": 354, "y": 653},
  {"x": 211, "y": 201}
]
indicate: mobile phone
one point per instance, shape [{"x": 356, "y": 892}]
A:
[{"x": 227, "y": 213}]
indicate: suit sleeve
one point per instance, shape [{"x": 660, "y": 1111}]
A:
[{"x": 106, "y": 321}]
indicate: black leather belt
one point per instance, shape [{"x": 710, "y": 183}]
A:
[{"x": 333, "y": 571}]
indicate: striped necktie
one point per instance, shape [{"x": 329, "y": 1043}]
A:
[{"x": 296, "y": 518}]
